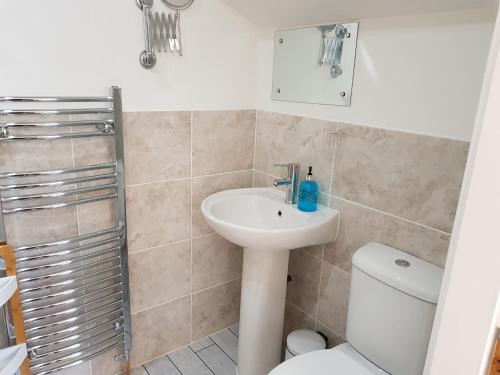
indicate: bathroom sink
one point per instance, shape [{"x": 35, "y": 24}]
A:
[
  {"x": 267, "y": 228},
  {"x": 259, "y": 218}
]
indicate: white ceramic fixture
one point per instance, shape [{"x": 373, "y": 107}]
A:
[
  {"x": 259, "y": 220},
  {"x": 12, "y": 358},
  {"x": 391, "y": 310},
  {"x": 8, "y": 285}
]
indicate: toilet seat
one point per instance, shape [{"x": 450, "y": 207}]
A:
[{"x": 341, "y": 360}]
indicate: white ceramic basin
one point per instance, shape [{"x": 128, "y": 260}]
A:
[{"x": 259, "y": 220}]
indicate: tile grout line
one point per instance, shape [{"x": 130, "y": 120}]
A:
[
  {"x": 331, "y": 329},
  {"x": 201, "y": 359},
  {"x": 311, "y": 254},
  {"x": 223, "y": 173},
  {"x": 203, "y": 338},
  {"x": 227, "y": 355},
  {"x": 160, "y": 356},
  {"x": 173, "y": 363},
  {"x": 73, "y": 162},
  {"x": 319, "y": 290},
  {"x": 254, "y": 147},
  {"x": 77, "y": 209},
  {"x": 392, "y": 215},
  {"x": 374, "y": 209},
  {"x": 158, "y": 246},
  {"x": 188, "y": 177},
  {"x": 316, "y": 321},
  {"x": 298, "y": 308},
  {"x": 338, "y": 268},
  {"x": 233, "y": 332},
  {"x": 160, "y": 304},
  {"x": 191, "y": 230},
  {"x": 204, "y": 235},
  {"x": 267, "y": 174},
  {"x": 319, "y": 293},
  {"x": 196, "y": 351},
  {"x": 184, "y": 296},
  {"x": 217, "y": 332},
  {"x": 216, "y": 286},
  {"x": 334, "y": 147}
]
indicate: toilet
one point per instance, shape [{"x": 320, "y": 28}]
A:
[{"x": 392, "y": 304}]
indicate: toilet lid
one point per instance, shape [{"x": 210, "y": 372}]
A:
[{"x": 341, "y": 360}]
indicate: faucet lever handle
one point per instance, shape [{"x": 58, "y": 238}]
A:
[
  {"x": 292, "y": 181},
  {"x": 286, "y": 165}
]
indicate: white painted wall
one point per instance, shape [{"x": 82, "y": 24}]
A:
[
  {"x": 466, "y": 315},
  {"x": 418, "y": 74},
  {"x": 70, "y": 47}
]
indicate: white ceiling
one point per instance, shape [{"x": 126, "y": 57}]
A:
[{"x": 290, "y": 13}]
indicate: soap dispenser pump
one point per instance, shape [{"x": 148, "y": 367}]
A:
[{"x": 308, "y": 194}]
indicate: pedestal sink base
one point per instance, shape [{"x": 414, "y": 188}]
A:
[
  {"x": 261, "y": 222},
  {"x": 263, "y": 295}
]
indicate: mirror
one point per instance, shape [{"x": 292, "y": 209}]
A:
[
  {"x": 178, "y": 4},
  {"x": 315, "y": 64}
]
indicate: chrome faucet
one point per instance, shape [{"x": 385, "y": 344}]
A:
[{"x": 292, "y": 181}]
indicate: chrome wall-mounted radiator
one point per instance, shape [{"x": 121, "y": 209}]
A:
[{"x": 74, "y": 291}]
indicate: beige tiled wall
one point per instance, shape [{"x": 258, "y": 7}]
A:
[
  {"x": 184, "y": 279},
  {"x": 397, "y": 188}
]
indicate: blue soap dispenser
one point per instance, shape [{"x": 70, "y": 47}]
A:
[{"x": 308, "y": 194}]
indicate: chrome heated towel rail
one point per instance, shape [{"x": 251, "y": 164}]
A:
[{"x": 74, "y": 291}]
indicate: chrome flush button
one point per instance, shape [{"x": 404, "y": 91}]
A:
[{"x": 402, "y": 263}]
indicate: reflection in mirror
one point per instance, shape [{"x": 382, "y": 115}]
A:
[{"x": 315, "y": 64}]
